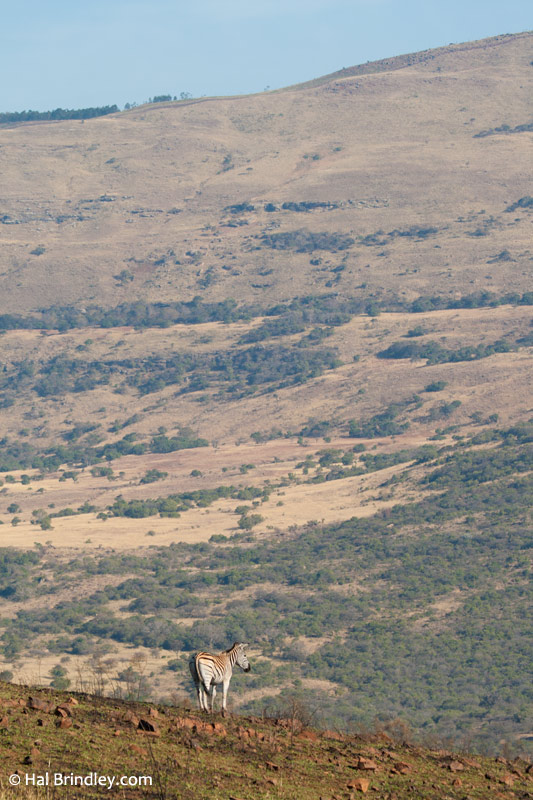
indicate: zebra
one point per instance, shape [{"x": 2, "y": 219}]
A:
[{"x": 209, "y": 670}]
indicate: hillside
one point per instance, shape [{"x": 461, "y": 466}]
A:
[
  {"x": 168, "y": 752},
  {"x": 416, "y": 163},
  {"x": 266, "y": 376}
]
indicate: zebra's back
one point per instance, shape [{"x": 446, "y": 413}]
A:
[{"x": 208, "y": 667}]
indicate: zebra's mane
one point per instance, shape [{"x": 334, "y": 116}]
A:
[{"x": 233, "y": 646}]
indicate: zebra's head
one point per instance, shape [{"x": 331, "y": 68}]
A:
[{"x": 242, "y": 659}]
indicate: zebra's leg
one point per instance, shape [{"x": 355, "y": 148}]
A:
[
  {"x": 202, "y": 697},
  {"x": 225, "y": 687},
  {"x": 213, "y": 695},
  {"x": 196, "y": 680}
]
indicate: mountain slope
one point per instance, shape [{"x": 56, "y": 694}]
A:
[{"x": 161, "y": 196}]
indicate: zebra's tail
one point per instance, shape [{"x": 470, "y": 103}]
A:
[{"x": 193, "y": 668}]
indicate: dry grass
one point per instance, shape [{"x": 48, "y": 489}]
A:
[
  {"x": 240, "y": 757},
  {"x": 424, "y": 168}
]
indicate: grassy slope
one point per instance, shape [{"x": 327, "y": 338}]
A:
[
  {"x": 427, "y": 169},
  {"x": 237, "y": 757}
]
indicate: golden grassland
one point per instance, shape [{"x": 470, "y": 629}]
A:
[
  {"x": 500, "y": 384},
  {"x": 390, "y": 149}
]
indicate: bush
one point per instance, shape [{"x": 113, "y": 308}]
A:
[
  {"x": 436, "y": 386},
  {"x": 153, "y": 475},
  {"x": 304, "y": 241},
  {"x": 248, "y": 521}
]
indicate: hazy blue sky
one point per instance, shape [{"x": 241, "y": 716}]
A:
[{"x": 74, "y": 54}]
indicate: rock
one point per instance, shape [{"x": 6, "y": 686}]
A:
[
  {"x": 210, "y": 728},
  {"x": 507, "y": 780},
  {"x": 400, "y": 768},
  {"x": 271, "y": 766},
  {"x": 456, "y": 766},
  {"x": 360, "y": 785},
  {"x": 33, "y": 756},
  {"x": 37, "y": 704},
  {"x": 186, "y": 722},
  {"x": 153, "y": 712},
  {"x": 365, "y": 763},
  {"x": 64, "y": 722},
  {"x": 72, "y": 701},
  {"x": 220, "y": 729},
  {"x": 146, "y": 725},
  {"x": 457, "y": 782},
  {"x": 4, "y": 722},
  {"x": 62, "y": 712},
  {"x": 129, "y": 716}
]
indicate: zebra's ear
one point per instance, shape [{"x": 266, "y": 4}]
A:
[{"x": 244, "y": 645}]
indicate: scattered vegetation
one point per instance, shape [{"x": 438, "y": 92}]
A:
[
  {"x": 506, "y": 129},
  {"x": 57, "y": 114},
  {"x": 303, "y": 241},
  {"x": 391, "y": 649},
  {"x": 16, "y": 455},
  {"x": 162, "y": 315},
  {"x": 435, "y": 353},
  {"x": 523, "y": 203}
]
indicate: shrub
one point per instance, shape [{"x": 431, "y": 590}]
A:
[
  {"x": 304, "y": 241},
  {"x": 436, "y": 386},
  {"x": 153, "y": 475},
  {"x": 247, "y": 521}
]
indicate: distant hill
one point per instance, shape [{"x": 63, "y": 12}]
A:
[{"x": 230, "y": 197}]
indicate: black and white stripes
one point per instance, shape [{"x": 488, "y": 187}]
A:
[{"x": 209, "y": 670}]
